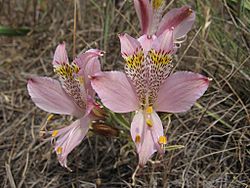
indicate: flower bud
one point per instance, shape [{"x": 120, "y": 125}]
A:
[{"x": 105, "y": 130}]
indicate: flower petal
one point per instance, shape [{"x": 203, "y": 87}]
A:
[
  {"x": 84, "y": 59},
  {"x": 146, "y": 42},
  {"x": 145, "y": 14},
  {"x": 60, "y": 56},
  {"x": 157, "y": 130},
  {"x": 146, "y": 138},
  {"x": 164, "y": 42},
  {"x": 70, "y": 138},
  {"x": 129, "y": 45},
  {"x": 148, "y": 147},
  {"x": 181, "y": 19},
  {"x": 115, "y": 91},
  {"x": 180, "y": 91},
  {"x": 48, "y": 95},
  {"x": 136, "y": 129},
  {"x": 89, "y": 64}
]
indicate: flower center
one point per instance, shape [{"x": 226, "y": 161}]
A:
[
  {"x": 134, "y": 61},
  {"x": 157, "y": 3},
  {"x": 149, "y": 111},
  {"x": 72, "y": 83},
  {"x": 66, "y": 71}
]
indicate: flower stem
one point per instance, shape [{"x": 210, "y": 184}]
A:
[{"x": 120, "y": 120}]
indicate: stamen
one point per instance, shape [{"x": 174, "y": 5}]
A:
[
  {"x": 181, "y": 39},
  {"x": 55, "y": 133},
  {"x": 137, "y": 139},
  {"x": 162, "y": 140},
  {"x": 50, "y": 117},
  {"x": 149, "y": 123},
  {"x": 149, "y": 110},
  {"x": 59, "y": 150}
]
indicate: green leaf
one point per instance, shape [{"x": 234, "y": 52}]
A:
[
  {"x": 246, "y": 4},
  {"x": 173, "y": 147},
  {"x": 8, "y": 31}
]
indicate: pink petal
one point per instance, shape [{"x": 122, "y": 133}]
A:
[
  {"x": 149, "y": 136},
  {"x": 70, "y": 138},
  {"x": 180, "y": 91},
  {"x": 89, "y": 65},
  {"x": 129, "y": 45},
  {"x": 84, "y": 58},
  {"x": 137, "y": 127},
  {"x": 60, "y": 56},
  {"x": 157, "y": 130},
  {"x": 164, "y": 42},
  {"x": 93, "y": 66},
  {"x": 181, "y": 19},
  {"x": 90, "y": 105},
  {"x": 115, "y": 91},
  {"x": 146, "y": 42},
  {"x": 145, "y": 14},
  {"x": 148, "y": 147},
  {"x": 48, "y": 95}
]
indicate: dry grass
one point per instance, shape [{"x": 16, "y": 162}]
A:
[{"x": 215, "y": 133}]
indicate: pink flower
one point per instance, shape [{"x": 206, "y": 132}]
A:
[
  {"x": 73, "y": 95},
  {"x": 152, "y": 22},
  {"x": 148, "y": 87}
]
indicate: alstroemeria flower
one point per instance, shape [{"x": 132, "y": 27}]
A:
[
  {"x": 72, "y": 95},
  {"x": 148, "y": 87},
  {"x": 152, "y": 22}
]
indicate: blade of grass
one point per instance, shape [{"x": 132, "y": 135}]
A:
[{"x": 11, "y": 32}]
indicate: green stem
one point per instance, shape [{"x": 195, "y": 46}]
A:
[
  {"x": 8, "y": 31},
  {"x": 120, "y": 120}
]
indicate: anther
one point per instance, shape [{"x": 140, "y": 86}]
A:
[
  {"x": 50, "y": 117},
  {"x": 59, "y": 150},
  {"x": 149, "y": 110},
  {"x": 55, "y": 133},
  {"x": 137, "y": 139},
  {"x": 149, "y": 122},
  {"x": 162, "y": 140}
]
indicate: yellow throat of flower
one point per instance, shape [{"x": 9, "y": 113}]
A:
[{"x": 157, "y": 3}]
